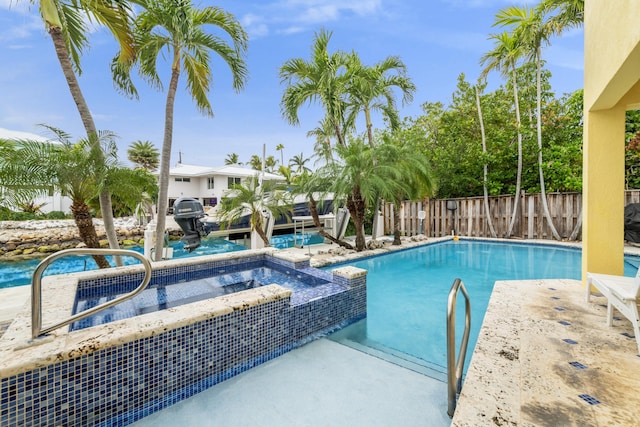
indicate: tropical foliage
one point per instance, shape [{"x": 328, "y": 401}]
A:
[
  {"x": 79, "y": 170},
  {"x": 144, "y": 154},
  {"x": 255, "y": 198},
  {"x": 177, "y": 27}
]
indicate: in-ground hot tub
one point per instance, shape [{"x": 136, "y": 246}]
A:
[{"x": 118, "y": 371}]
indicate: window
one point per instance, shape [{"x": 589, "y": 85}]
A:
[
  {"x": 210, "y": 183},
  {"x": 179, "y": 179},
  {"x": 233, "y": 181}
]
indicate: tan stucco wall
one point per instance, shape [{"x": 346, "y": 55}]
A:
[
  {"x": 612, "y": 51},
  {"x": 612, "y": 72}
]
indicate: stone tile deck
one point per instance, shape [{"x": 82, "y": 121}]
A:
[{"x": 523, "y": 373}]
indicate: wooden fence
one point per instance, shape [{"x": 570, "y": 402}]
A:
[{"x": 468, "y": 217}]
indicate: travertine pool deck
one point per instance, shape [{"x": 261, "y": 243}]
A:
[{"x": 524, "y": 373}]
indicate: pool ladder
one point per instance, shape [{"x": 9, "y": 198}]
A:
[
  {"x": 454, "y": 370},
  {"x": 36, "y": 287}
]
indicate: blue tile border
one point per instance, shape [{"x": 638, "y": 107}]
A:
[
  {"x": 121, "y": 384},
  {"x": 589, "y": 399},
  {"x": 570, "y": 341},
  {"x": 577, "y": 365}
]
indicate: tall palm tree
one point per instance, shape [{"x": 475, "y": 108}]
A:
[
  {"x": 531, "y": 28},
  {"x": 232, "y": 159},
  {"x": 253, "y": 198},
  {"x": 504, "y": 56},
  {"x": 78, "y": 170},
  {"x": 67, "y": 24},
  {"x": 255, "y": 162},
  {"x": 280, "y": 148},
  {"x": 565, "y": 14},
  {"x": 176, "y": 29},
  {"x": 322, "y": 147},
  {"x": 371, "y": 89},
  {"x": 144, "y": 154},
  {"x": 483, "y": 137},
  {"x": 299, "y": 162},
  {"x": 322, "y": 79}
]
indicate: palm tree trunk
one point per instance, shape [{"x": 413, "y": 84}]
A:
[
  {"x": 86, "y": 229},
  {"x": 87, "y": 120},
  {"x": 259, "y": 227},
  {"x": 313, "y": 209},
  {"x": 355, "y": 205},
  {"x": 519, "y": 172},
  {"x": 165, "y": 162},
  {"x": 367, "y": 116},
  {"x": 484, "y": 168},
  {"x": 396, "y": 225},
  {"x": 543, "y": 191}
]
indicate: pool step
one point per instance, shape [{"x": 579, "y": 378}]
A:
[{"x": 390, "y": 355}]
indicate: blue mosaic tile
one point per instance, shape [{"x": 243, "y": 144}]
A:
[
  {"x": 559, "y": 308},
  {"x": 552, "y": 289},
  {"x": 555, "y": 298},
  {"x": 589, "y": 399},
  {"x": 570, "y": 341},
  {"x": 119, "y": 385},
  {"x": 577, "y": 365},
  {"x": 564, "y": 323},
  {"x": 628, "y": 335}
]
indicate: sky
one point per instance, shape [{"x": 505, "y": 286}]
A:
[{"x": 436, "y": 39}]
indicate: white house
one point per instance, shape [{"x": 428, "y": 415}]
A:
[{"x": 207, "y": 184}]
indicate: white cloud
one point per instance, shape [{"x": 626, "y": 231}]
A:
[{"x": 294, "y": 16}]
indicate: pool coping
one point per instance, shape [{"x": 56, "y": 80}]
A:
[
  {"x": 524, "y": 370},
  {"x": 20, "y": 353}
]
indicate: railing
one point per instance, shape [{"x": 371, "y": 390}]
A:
[
  {"x": 454, "y": 370},
  {"x": 36, "y": 287}
]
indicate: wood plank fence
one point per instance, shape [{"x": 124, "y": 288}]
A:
[{"x": 467, "y": 216}]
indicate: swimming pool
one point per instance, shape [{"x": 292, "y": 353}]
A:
[
  {"x": 408, "y": 291},
  {"x": 18, "y": 273}
]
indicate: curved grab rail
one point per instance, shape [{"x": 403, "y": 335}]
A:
[
  {"x": 36, "y": 287},
  {"x": 454, "y": 370}
]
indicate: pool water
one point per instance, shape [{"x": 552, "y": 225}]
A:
[
  {"x": 162, "y": 296},
  {"x": 407, "y": 292},
  {"x": 19, "y": 273}
]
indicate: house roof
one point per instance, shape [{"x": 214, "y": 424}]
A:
[
  {"x": 19, "y": 135},
  {"x": 191, "y": 170},
  {"x": 237, "y": 170},
  {"x": 228, "y": 170}
]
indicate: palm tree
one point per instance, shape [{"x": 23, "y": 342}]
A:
[
  {"x": 254, "y": 199},
  {"x": 483, "y": 137},
  {"x": 320, "y": 79},
  {"x": 315, "y": 185},
  {"x": 566, "y": 14},
  {"x": 504, "y": 57},
  {"x": 280, "y": 148},
  {"x": 144, "y": 154},
  {"x": 255, "y": 162},
  {"x": 79, "y": 171},
  {"x": 67, "y": 24},
  {"x": 533, "y": 31},
  {"x": 299, "y": 162},
  {"x": 361, "y": 177},
  {"x": 371, "y": 89},
  {"x": 232, "y": 159},
  {"x": 322, "y": 147},
  {"x": 175, "y": 28},
  {"x": 401, "y": 156}
]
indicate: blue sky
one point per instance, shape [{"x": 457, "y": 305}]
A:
[{"x": 436, "y": 39}]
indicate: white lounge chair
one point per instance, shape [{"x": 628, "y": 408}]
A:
[{"x": 621, "y": 292}]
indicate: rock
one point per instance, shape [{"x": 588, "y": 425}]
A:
[{"x": 28, "y": 251}]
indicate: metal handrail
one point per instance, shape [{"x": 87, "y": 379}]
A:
[
  {"x": 454, "y": 370},
  {"x": 36, "y": 287}
]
